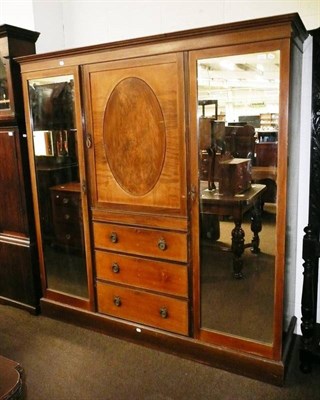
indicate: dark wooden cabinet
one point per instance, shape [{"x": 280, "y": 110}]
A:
[
  {"x": 19, "y": 273},
  {"x": 144, "y": 193}
]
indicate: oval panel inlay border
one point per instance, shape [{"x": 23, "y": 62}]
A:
[{"x": 134, "y": 136}]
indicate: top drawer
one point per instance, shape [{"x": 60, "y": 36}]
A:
[{"x": 141, "y": 241}]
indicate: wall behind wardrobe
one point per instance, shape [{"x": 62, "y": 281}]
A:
[{"x": 75, "y": 23}]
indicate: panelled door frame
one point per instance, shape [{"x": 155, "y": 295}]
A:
[
  {"x": 87, "y": 304},
  {"x": 215, "y": 337}
]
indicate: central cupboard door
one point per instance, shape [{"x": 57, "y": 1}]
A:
[{"x": 136, "y": 133}]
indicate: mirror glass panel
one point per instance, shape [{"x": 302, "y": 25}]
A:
[
  {"x": 55, "y": 145},
  {"x": 4, "y": 95},
  {"x": 238, "y": 108}
]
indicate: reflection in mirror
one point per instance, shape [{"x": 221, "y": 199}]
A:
[
  {"x": 43, "y": 143},
  {"x": 238, "y": 106},
  {"x": 56, "y": 159},
  {"x": 4, "y": 97}
]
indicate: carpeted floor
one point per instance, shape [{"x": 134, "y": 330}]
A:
[{"x": 64, "y": 362}]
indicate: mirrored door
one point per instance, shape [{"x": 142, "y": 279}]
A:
[
  {"x": 235, "y": 220},
  {"x": 61, "y": 194},
  {"x": 6, "y": 94}
]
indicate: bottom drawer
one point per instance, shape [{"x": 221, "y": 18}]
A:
[{"x": 142, "y": 307}]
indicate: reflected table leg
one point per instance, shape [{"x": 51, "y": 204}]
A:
[
  {"x": 238, "y": 242},
  {"x": 236, "y": 206},
  {"x": 256, "y": 227},
  {"x": 237, "y": 248}
]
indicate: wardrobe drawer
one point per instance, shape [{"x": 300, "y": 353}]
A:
[
  {"x": 65, "y": 199},
  {"x": 142, "y": 307},
  {"x": 68, "y": 235},
  {"x": 67, "y": 214},
  {"x": 150, "y": 274},
  {"x": 141, "y": 241}
]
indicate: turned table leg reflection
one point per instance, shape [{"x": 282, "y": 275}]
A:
[
  {"x": 235, "y": 206},
  {"x": 237, "y": 248},
  {"x": 238, "y": 240},
  {"x": 256, "y": 227}
]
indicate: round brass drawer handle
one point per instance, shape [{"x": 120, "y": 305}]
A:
[
  {"x": 164, "y": 312},
  {"x": 115, "y": 268},
  {"x": 117, "y": 301},
  {"x": 65, "y": 200},
  {"x": 67, "y": 217},
  {"x": 113, "y": 237},
  {"x": 162, "y": 244}
]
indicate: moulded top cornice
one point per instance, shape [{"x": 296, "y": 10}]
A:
[{"x": 298, "y": 30}]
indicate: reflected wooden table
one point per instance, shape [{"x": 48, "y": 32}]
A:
[{"x": 212, "y": 202}]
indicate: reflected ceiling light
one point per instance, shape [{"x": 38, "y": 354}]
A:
[
  {"x": 260, "y": 67},
  {"x": 227, "y": 64}
]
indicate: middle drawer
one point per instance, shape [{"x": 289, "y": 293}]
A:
[
  {"x": 159, "y": 276},
  {"x": 167, "y": 245}
]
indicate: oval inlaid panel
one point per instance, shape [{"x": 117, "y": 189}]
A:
[{"x": 134, "y": 136}]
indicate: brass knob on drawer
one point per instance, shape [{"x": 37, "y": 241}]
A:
[
  {"x": 113, "y": 237},
  {"x": 162, "y": 244},
  {"x": 164, "y": 312},
  {"x": 65, "y": 200},
  {"x": 115, "y": 268},
  {"x": 117, "y": 301},
  {"x": 67, "y": 217}
]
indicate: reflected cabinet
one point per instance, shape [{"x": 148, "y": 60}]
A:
[{"x": 162, "y": 183}]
